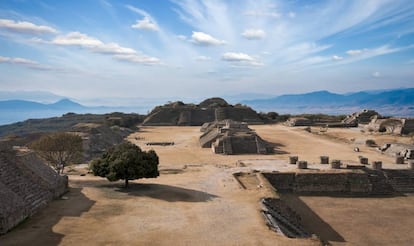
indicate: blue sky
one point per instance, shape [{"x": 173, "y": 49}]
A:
[{"x": 97, "y": 49}]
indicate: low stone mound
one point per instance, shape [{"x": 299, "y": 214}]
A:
[
  {"x": 98, "y": 137},
  {"x": 26, "y": 186},
  {"x": 213, "y": 109}
]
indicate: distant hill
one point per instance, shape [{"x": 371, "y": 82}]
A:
[
  {"x": 18, "y": 110},
  {"x": 23, "y": 105},
  {"x": 398, "y": 102},
  {"x": 36, "y": 96},
  {"x": 68, "y": 121}
]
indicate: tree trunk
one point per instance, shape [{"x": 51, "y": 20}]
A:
[{"x": 126, "y": 183}]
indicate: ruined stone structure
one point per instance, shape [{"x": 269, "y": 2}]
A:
[
  {"x": 231, "y": 137},
  {"x": 26, "y": 186},
  {"x": 360, "y": 181},
  {"x": 363, "y": 117},
  {"x": 391, "y": 125},
  {"x": 354, "y": 119},
  {"x": 213, "y": 109},
  {"x": 98, "y": 137},
  {"x": 316, "y": 182},
  {"x": 398, "y": 149},
  {"x": 298, "y": 121},
  {"x": 355, "y": 181}
]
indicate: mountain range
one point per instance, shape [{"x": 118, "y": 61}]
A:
[
  {"x": 396, "y": 102},
  {"x": 19, "y": 110}
]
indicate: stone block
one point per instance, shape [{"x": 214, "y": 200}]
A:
[
  {"x": 399, "y": 159},
  {"x": 293, "y": 159},
  {"x": 335, "y": 164},
  {"x": 377, "y": 165},
  {"x": 302, "y": 164},
  {"x": 324, "y": 159}
]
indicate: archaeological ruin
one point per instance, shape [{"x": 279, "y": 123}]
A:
[
  {"x": 212, "y": 109},
  {"x": 299, "y": 121},
  {"x": 232, "y": 137},
  {"x": 353, "y": 181},
  {"x": 406, "y": 151},
  {"x": 400, "y": 126},
  {"x": 27, "y": 185}
]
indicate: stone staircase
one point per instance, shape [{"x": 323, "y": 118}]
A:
[
  {"x": 380, "y": 185},
  {"x": 401, "y": 180},
  {"x": 227, "y": 147},
  {"x": 220, "y": 114},
  {"x": 283, "y": 219},
  {"x": 209, "y": 137}
]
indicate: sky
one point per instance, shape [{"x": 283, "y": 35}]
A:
[{"x": 93, "y": 50}]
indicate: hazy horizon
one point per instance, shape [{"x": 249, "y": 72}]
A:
[{"x": 90, "y": 50}]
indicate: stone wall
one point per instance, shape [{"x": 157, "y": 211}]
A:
[
  {"x": 26, "y": 186},
  {"x": 350, "y": 182},
  {"x": 408, "y": 126},
  {"x": 299, "y": 121},
  {"x": 392, "y": 125}
]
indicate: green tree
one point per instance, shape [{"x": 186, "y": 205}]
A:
[
  {"x": 59, "y": 149},
  {"x": 126, "y": 161}
]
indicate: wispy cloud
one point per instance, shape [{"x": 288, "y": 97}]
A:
[
  {"x": 203, "y": 58},
  {"x": 241, "y": 58},
  {"x": 145, "y": 24},
  {"x": 262, "y": 14},
  {"x": 354, "y": 52},
  {"x": 138, "y": 58},
  {"x": 24, "y": 27},
  {"x": 24, "y": 62},
  {"x": 204, "y": 39},
  {"x": 252, "y": 34},
  {"x": 376, "y": 74},
  {"x": 95, "y": 45}
]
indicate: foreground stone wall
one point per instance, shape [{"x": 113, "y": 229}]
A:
[
  {"x": 350, "y": 182},
  {"x": 26, "y": 186}
]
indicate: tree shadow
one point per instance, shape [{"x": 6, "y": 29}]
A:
[
  {"x": 38, "y": 229},
  {"x": 277, "y": 148},
  {"x": 165, "y": 192},
  {"x": 311, "y": 220}
]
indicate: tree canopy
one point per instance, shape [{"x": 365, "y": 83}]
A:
[
  {"x": 126, "y": 161},
  {"x": 59, "y": 149}
]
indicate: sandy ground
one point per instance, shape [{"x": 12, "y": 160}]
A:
[{"x": 196, "y": 200}]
